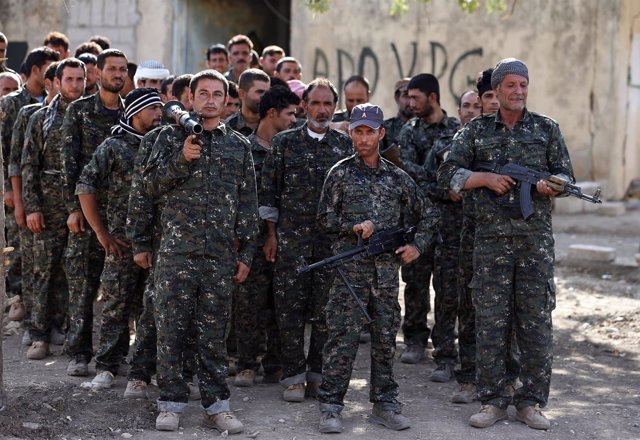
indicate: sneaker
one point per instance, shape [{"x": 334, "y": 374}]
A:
[
  {"x": 466, "y": 394},
  {"x": 442, "y": 373},
  {"x": 532, "y": 417},
  {"x": 487, "y": 416},
  {"x": 365, "y": 337},
  {"x": 294, "y": 393},
  {"x": 57, "y": 337},
  {"x": 78, "y": 366},
  {"x": 273, "y": 377},
  {"x": 245, "y": 378},
  {"x": 224, "y": 421},
  {"x": 312, "y": 388},
  {"x": 413, "y": 354},
  {"x": 136, "y": 389},
  {"x": 194, "y": 391},
  {"x": 330, "y": 423},
  {"x": 104, "y": 379},
  {"x": 38, "y": 350},
  {"x": 26, "y": 338},
  {"x": 167, "y": 421},
  {"x": 391, "y": 419},
  {"x": 17, "y": 311}
]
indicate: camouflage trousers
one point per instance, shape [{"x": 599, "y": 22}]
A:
[
  {"x": 14, "y": 271},
  {"x": 254, "y": 311},
  {"x": 121, "y": 284},
  {"x": 51, "y": 299},
  {"x": 297, "y": 296},
  {"x": 445, "y": 285},
  {"x": 514, "y": 289},
  {"x": 193, "y": 290},
  {"x": 84, "y": 258},
  {"x": 143, "y": 361},
  {"x": 417, "y": 277},
  {"x": 377, "y": 287}
]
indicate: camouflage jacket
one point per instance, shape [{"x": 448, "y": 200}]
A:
[
  {"x": 535, "y": 142},
  {"x": 236, "y": 122},
  {"x": 18, "y": 137},
  {"x": 259, "y": 154},
  {"x": 292, "y": 178},
  {"x": 386, "y": 195},
  {"x": 392, "y": 127},
  {"x": 340, "y": 116},
  {"x": 109, "y": 172},
  {"x": 210, "y": 201},
  {"x": 416, "y": 138},
  {"x": 10, "y": 105},
  {"x": 86, "y": 124},
  {"x": 41, "y": 164},
  {"x": 440, "y": 150},
  {"x": 143, "y": 212}
]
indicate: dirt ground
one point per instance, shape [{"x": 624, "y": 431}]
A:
[{"x": 595, "y": 386}]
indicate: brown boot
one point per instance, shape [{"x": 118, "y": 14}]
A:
[
  {"x": 245, "y": 378},
  {"x": 532, "y": 416},
  {"x": 224, "y": 421},
  {"x": 17, "y": 311},
  {"x": 294, "y": 393},
  {"x": 487, "y": 416},
  {"x": 38, "y": 350}
]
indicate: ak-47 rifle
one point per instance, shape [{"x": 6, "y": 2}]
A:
[
  {"x": 528, "y": 178},
  {"x": 384, "y": 241}
]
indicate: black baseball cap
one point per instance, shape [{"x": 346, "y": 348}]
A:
[{"x": 366, "y": 114}]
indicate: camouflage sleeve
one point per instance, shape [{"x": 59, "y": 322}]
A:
[
  {"x": 408, "y": 155},
  {"x": 271, "y": 186},
  {"x": 17, "y": 142},
  {"x": 167, "y": 166},
  {"x": 421, "y": 213},
  {"x": 69, "y": 153},
  {"x": 455, "y": 170},
  {"x": 140, "y": 212},
  {"x": 30, "y": 164},
  {"x": 96, "y": 171},
  {"x": 558, "y": 155},
  {"x": 8, "y": 113},
  {"x": 430, "y": 184},
  {"x": 330, "y": 218},
  {"x": 246, "y": 228}
]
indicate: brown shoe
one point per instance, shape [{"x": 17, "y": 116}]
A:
[
  {"x": 38, "y": 350},
  {"x": 224, "y": 421},
  {"x": 245, "y": 378},
  {"x": 465, "y": 394},
  {"x": 487, "y": 416},
  {"x": 17, "y": 311},
  {"x": 532, "y": 417},
  {"x": 294, "y": 393},
  {"x": 312, "y": 389}
]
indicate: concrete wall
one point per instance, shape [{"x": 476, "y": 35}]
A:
[{"x": 578, "y": 53}]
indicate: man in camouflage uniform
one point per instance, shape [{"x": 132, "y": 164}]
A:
[
  {"x": 44, "y": 206},
  {"x": 416, "y": 139},
  {"x": 26, "y": 236},
  {"x": 513, "y": 257},
  {"x": 389, "y": 147},
  {"x": 445, "y": 266},
  {"x": 253, "y": 83},
  {"x": 36, "y": 65},
  {"x": 86, "y": 124},
  {"x": 366, "y": 194},
  {"x": 292, "y": 178},
  {"x": 109, "y": 174},
  {"x": 210, "y": 187},
  {"x": 356, "y": 90},
  {"x": 254, "y": 306}
]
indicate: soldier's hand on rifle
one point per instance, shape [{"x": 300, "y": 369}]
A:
[
  {"x": 35, "y": 222},
  {"x": 548, "y": 189},
  {"x": 242, "y": 272},
  {"x": 498, "y": 183},
  {"x": 367, "y": 227},
  {"x": 111, "y": 244},
  {"x": 407, "y": 253},
  {"x": 75, "y": 222},
  {"x": 192, "y": 148},
  {"x": 143, "y": 259}
]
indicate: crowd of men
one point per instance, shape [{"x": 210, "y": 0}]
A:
[{"x": 195, "y": 239}]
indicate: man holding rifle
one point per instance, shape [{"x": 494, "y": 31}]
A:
[
  {"x": 363, "y": 195},
  {"x": 513, "y": 255}
]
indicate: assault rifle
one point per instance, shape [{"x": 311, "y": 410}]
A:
[
  {"x": 387, "y": 240},
  {"x": 528, "y": 178}
]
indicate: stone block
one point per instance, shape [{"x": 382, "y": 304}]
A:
[
  {"x": 588, "y": 252},
  {"x": 612, "y": 208}
]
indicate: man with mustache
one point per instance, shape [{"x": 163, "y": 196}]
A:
[
  {"x": 252, "y": 85},
  {"x": 86, "y": 124},
  {"x": 292, "y": 179},
  {"x": 239, "y": 48}
]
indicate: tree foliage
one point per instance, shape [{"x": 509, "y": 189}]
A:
[{"x": 400, "y": 7}]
